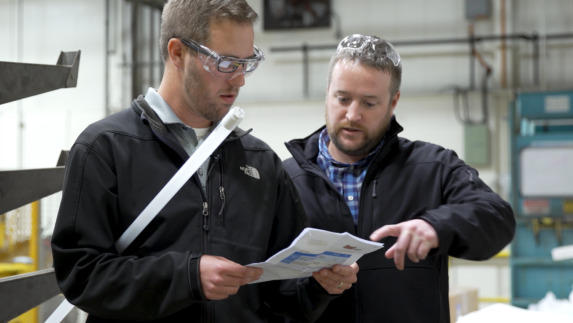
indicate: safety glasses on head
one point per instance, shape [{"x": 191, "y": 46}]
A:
[
  {"x": 371, "y": 47},
  {"x": 224, "y": 66}
]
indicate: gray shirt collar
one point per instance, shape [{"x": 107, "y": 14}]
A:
[{"x": 163, "y": 110}]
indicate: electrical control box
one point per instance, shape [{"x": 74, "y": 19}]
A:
[
  {"x": 541, "y": 140},
  {"x": 478, "y": 9}
]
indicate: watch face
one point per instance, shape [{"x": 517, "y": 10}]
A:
[{"x": 291, "y": 14}]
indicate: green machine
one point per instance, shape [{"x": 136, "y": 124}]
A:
[{"x": 541, "y": 140}]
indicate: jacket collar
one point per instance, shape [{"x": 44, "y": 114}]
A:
[{"x": 142, "y": 108}]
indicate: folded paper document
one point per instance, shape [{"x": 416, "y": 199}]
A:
[{"x": 313, "y": 250}]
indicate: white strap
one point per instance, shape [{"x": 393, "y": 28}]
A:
[
  {"x": 60, "y": 313},
  {"x": 223, "y": 129},
  {"x": 229, "y": 122}
]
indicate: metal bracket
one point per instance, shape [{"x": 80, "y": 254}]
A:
[
  {"x": 21, "y": 80},
  {"x": 22, "y": 187},
  {"x": 22, "y": 292}
]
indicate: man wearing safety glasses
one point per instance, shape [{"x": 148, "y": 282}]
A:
[
  {"x": 239, "y": 208},
  {"x": 424, "y": 203}
]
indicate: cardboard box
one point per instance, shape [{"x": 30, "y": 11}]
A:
[{"x": 463, "y": 300}]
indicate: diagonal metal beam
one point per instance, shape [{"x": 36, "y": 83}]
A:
[
  {"x": 21, "y": 187},
  {"x": 22, "y": 80},
  {"x": 20, "y": 293}
]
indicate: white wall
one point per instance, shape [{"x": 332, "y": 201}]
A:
[
  {"x": 427, "y": 68},
  {"x": 35, "y": 31}
]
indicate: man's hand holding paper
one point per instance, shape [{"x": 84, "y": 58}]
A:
[
  {"x": 327, "y": 256},
  {"x": 337, "y": 279}
]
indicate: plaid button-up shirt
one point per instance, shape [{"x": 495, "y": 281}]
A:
[{"x": 347, "y": 178}]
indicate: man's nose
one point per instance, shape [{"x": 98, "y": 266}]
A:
[
  {"x": 353, "y": 112},
  {"x": 238, "y": 77}
]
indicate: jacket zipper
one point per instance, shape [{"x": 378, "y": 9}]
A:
[
  {"x": 205, "y": 213},
  {"x": 222, "y": 196},
  {"x": 221, "y": 218},
  {"x": 374, "y": 188}
]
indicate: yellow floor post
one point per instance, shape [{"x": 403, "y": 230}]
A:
[{"x": 31, "y": 316}]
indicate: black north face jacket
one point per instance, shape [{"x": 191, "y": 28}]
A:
[
  {"x": 249, "y": 212},
  {"x": 406, "y": 180}
]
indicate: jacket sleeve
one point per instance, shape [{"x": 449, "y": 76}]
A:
[
  {"x": 302, "y": 300},
  {"x": 473, "y": 222},
  {"x": 90, "y": 272}
]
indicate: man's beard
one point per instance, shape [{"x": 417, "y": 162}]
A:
[
  {"x": 366, "y": 145},
  {"x": 198, "y": 97},
  {"x": 361, "y": 148}
]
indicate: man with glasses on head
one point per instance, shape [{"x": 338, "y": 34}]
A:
[
  {"x": 425, "y": 204},
  {"x": 188, "y": 264}
]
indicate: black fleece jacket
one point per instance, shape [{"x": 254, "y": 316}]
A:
[
  {"x": 249, "y": 212},
  {"x": 406, "y": 180}
]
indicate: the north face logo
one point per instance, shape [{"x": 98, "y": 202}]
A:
[{"x": 251, "y": 171}]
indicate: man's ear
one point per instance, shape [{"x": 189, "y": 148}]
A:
[
  {"x": 395, "y": 101},
  {"x": 176, "y": 52}
]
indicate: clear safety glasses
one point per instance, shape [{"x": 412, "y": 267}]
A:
[
  {"x": 224, "y": 66},
  {"x": 370, "y": 46}
]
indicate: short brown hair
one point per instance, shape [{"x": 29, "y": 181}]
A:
[
  {"x": 190, "y": 18},
  {"x": 368, "y": 58}
]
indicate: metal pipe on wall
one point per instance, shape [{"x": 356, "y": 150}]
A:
[
  {"x": 503, "y": 75},
  {"x": 134, "y": 39},
  {"x": 106, "y": 55},
  {"x": 534, "y": 38}
]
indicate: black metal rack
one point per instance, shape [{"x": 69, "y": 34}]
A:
[{"x": 20, "y": 293}]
